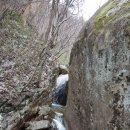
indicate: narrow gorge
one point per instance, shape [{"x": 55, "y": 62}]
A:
[{"x": 91, "y": 92}]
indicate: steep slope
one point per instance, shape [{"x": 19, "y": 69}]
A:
[
  {"x": 19, "y": 48},
  {"x": 36, "y": 14},
  {"x": 23, "y": 25},
  {"x": 99, "y": 91}
]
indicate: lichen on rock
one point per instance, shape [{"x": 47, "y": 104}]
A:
[{"x": 98, "y": 96}]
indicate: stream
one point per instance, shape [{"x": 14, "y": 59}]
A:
[
  {"x": 59, "y": 101},
  {"x": 58, "y": 122},
  {"x": 58, "y": 104}
]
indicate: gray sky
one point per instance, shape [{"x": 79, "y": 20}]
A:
[{"x": 90, "y": 7}]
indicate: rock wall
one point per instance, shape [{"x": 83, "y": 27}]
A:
[{"x": 99, "y": 87}]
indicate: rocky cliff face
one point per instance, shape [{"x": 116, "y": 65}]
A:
[{"x": 99, "y": 91}]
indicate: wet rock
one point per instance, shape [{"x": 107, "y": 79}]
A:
[{"x": 63, "y": 69}]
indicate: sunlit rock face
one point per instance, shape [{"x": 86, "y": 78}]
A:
[{"x": 99, "y": 84}]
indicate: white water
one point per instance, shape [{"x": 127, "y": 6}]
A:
[
  {"x": 54, "y": 105},
  {"x": 1, "y": 118},
  {"x": 62, "y": 79},
  {"x": 58, "y": 121}
]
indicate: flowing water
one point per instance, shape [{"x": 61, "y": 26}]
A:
[
  {"x": 58, "y": 122},
  {"x": 59, "y": 102},
  {"x": 61, "y": 89},
  {"x": 1, "y": 121}
]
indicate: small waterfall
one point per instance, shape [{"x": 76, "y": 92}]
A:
[
  {"x": 1, "y": 121},
  {"x": 60, "y": 98},
  {"x": 61, "y": 90},
  {"x": 62, "y": 79},
  {"x": 58, "y": 121}
]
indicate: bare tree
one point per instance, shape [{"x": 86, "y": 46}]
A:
[
  {"x": 59, "y": 33},
  {"x": 58, "y": 16}
]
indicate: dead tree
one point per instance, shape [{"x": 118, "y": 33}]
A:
[{"x": 57, "y": 18}]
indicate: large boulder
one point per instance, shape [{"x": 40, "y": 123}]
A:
[
  {"x": 99, "y": 85},
  {"x": 39, "y": 125}
]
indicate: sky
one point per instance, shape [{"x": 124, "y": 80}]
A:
[{"x": 90, "y": 7}]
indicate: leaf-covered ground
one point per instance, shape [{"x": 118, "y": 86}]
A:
[{"x": 19, "y": 48}]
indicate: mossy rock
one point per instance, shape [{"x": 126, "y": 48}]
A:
[
  {"x": 104, "y": 17},
  {"x": 101, "y": 19},
  {"x": 12, "y": 15}
]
